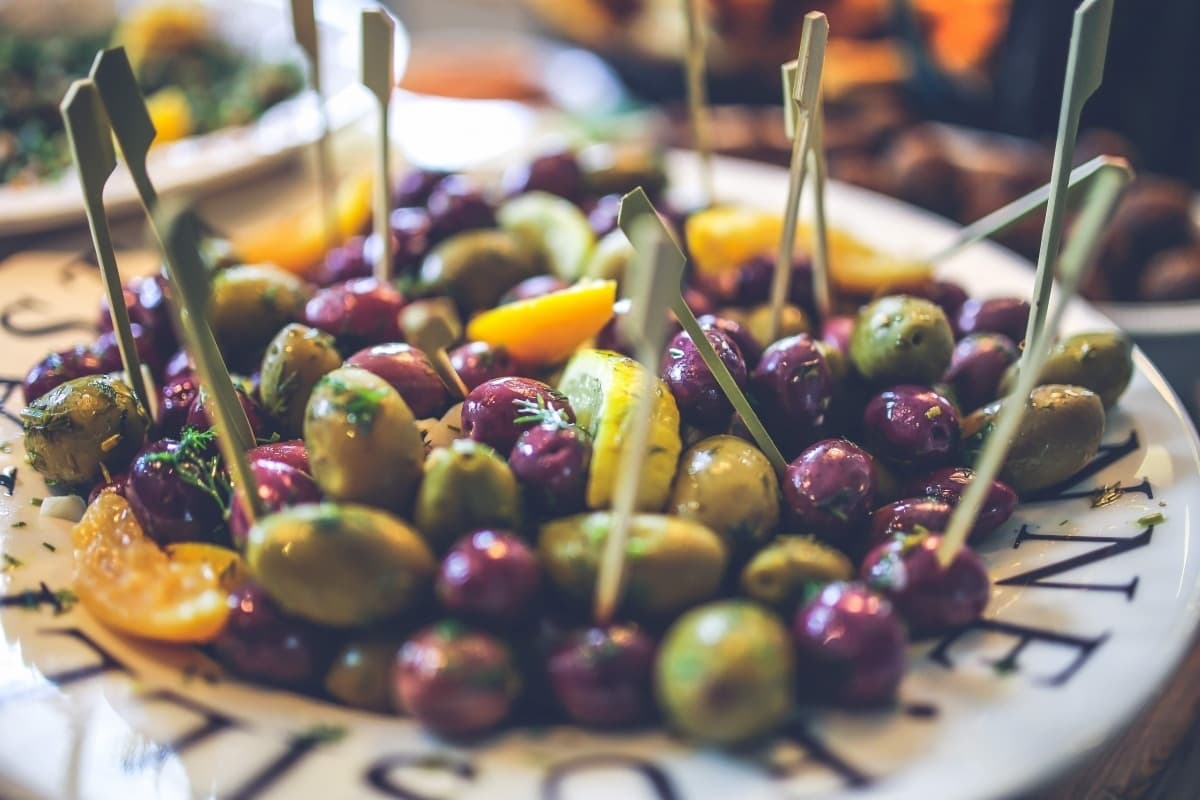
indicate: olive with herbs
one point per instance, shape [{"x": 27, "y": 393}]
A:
[
  {"x": 551, "y": 463},
  {"x": 948, "y": 485},
  {"x": 901, "y": 338},
  {"x": 602, "y": 676},
  {"x": 931, "y": 598},
  {"x": 911, "y": 425},
  {"x": 291, "y": 452},
  {"x": 175, "y": 401},
  {"x": 794, "y": 388},
  {"x": 295, "y": 360},
  {"x": 700, "y": 398},
  {"x": 498, "y": 411},
  {"x": 977, "y": 366},
  {"x": 747, "y": 345},
  {"x": 909, "y": 515},
  {"x": 58, "y": 368},
  {"x": 249, "y": 304},
  {"x": 466, "y": 486},
  {"x": 260, "y": 422},
  {"x": 829, "y": 490},
  {"x": 1099, "y": 360},
  {"x": 410, "y": 372},
  {"x": 781, "y": 574},
  {"x": 176, "y": 490}
]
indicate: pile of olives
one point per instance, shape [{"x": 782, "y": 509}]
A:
[{"x": 439, "y": 558}]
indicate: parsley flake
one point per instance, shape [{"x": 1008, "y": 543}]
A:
[{"x": 1156, "y": 518}]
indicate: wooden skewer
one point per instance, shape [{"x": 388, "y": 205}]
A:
[
  {"x": 90, "y": 139},
  {"x": 697, "y": 95},
  {"x": 822, "y": 285},
  {"x": 1076, "y": 259},
  {"x": 431, "y": 326},
  {"x": 130, "y": 121},
  {"x": 378, "y": 34},
  {"x": 304, "y": 28}
]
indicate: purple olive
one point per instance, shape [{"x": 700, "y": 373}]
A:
[
  {"x": 410, "y": 373},
  {"x": 279, "y": 485},
  {"x": 455, "y": 681},
  {"x": 108, "y": 352},
  {"x": 175, "y": 401},
  {"x": 830, "y": 490},
  {"x": 602, "y": 215},
  {"x": 850, "y": 646},
  {"x": 746, "y": 344},
  {"x": 701, "y": 400},
  {"x": 412, "y": 238},
  {"x": 603, "y": 676},
  {"x": 489, "y": 575},
  {"x": 904, "y": 516},
  {"x": 1006, "y": 315},
  {"x": 345, "y": 262},
  {"x": 146, "y": 301},
  {"x": 949, "y": 296},
  {"x": 260, "y": 643},
  {"x": 531, "y": 288},
  {"x": 911, "y": 425},
  {"x": 836, "y": 332},
  {"x": 415, "y": 187},
  {"x": 260, "y": 423},
  {"x": 557, "y": 173},
  {"x": 931, "y": 599},
  {"x": 498, "y": 411},
  {"x": 179, "y": 365},
  {"x": 976, "y": 367},
  {"x": 166, "y": 495},
  {"x": 551, "y": 462},
  {"x": 293, "y": 453},
  {"x": 58, "y": 368},
  {"x": 455, "y": 205},
  {"x": 750, "y": 283},
  {"x": 480, "y": 362},
  {"x": 948, "y": 484},
  {"x": 795, "y": 388},
  {"x": 359, "y": 312}
]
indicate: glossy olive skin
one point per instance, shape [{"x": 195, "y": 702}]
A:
[
  {"x": 414, "y": 188},
  {"x": 168, "y": 507},
  {"x": 1101, "y": 361},
  {"x": 260, "y": 422},
  {"x": 476, "y": 268},
  {"x": 455, "y": 205},
  {"x": 466, "y": 486},
  {"x": 456, "y": 681},
  {"x": 490, "y": 576},
  {"x": 947, "y": 295},
  {"x": 58, "y": 368},
  {"x": 931, "y": 599},
  {"x": 732, "y": 643},
  {"x": 295, "y": 360},
  {"x": 900, "y": 338},
  {"x": 146, "y": 302},
  {"x": 850, "y": 647},
  {"x": 557, "y": 173},
  {"x": 360, "y": 675},
  {"x": 911, "y": 425},
  {"x": 793, "y": 322},
  {"x": 108, "y": 352},
  {"x": 262, "y": 644},
  {"x": 291, "y": 452},
  {"x": 532, "y": 288},
  {"x": 480, "y": 362},
  {"x": 602, "y": 676},
  {"x": 728, "y": 485},
  {"x": 491, "y": 411},
  {"x": 737, "y": 333},
  {"x": 249, "y": 304},
  {"x": 279, "y": 485},
  {"x": 345, "y": 262},
  {"x": 339, "y": 565},
  {"x": 1003, "y": 315},
  {"x": 410, "y": 372},
  {"x": 907, "y": 516},
  {"x": 948, "y": 484},
  {"x": 977, "y": 367},
  {"x": 794, "y": 387},
  {"x": 551, "y": 463},
  {"x": 782, "y": 573},
  {"x": 829, "y": 490},
  {"x": 175, "y": 400},
  {"x": 81, "y": 428},
  {"x": 362, "y": 440},
  {"x": 358, "y": 313},
  {"x": 701, "y": 400},
  {"x": 413, "y": 235},
  {"x": 673, "y": 563}
]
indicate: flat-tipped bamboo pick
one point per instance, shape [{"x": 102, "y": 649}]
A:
[
  {"x": 90, "y": 139},
  {"x": 697, "y": 94},
  {"x": 822, "y": 286},
  {"x": 1085, "y": 72},
  {"x": 432, "y": 326},
  {"x": 130, "y": 121},
  {"x": 378, "y": 33},
  {"x": 636, "y": 205},
  {"x": 1077, "y": 257},
  {"x": 304, "y": 28}
]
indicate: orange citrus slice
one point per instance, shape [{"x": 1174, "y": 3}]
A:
[
  {"x": 131, "y": 585},
  {"x": 725, "y": 237},
  {"x": 855, "y": 266},
  {"x": 547, "y": 329}
]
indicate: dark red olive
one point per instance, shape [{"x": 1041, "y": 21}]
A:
[
  {"x": 260, "y": 643},
  {"x": 701, "y": 400},
  {"x": 750, "y": 283},
  {"x": 904, "y": 517},
  {"x": 279, "y": 485},
  {"x": 260, "y": 422},
  {"x": 602, "y": 215},
  {"x": 557, "y": 173},
  {"x": 498, "y": 411},
  {"x": 949, "y": 296},
  {"x": 836, "y": 332},
  {"x": 830, "y": 490},
  {"x": 146, "y": 301},
  {"x": 108, "y": 352},
  {"x": 1006, "y": 315},
  {"x": 480, "y": 362},
  {"x": 948, "y": 484},
  {"x": 345, "y": 262},
  {"x": 976, "y": 367},
  {"x": 179, "y": 365},
  {"x": 410, "y": 373},
  {"x": 850, "y": 647},
  {"x": 175, "y": 401},
  {"x": 412, "y": 237},
  {"x": 931, "y": 599},
  {"x": 455, "y": 205},
  {"x": 175, "y": 491},
  {"x": 794, "y": 386},
  {"x": 415, "y": 187},
  {"x": 293, "y": 453},
  {"x": 911, "y": 425},
  {"x": 551, "y": 462},
  {"x": 747, "y": 345},
  {"x": 490, "y": 576},
  {"x": 603, "y": 676},
  {"x": 530, "y": 288},
  {"x": 58, "y": 368},
  {"x": 359, "y": 312}
]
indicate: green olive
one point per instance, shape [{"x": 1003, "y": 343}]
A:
[
  {"x": 552, "y": 227},
  {"x": 295, "y": 360},
  {"x": 361, "y": 674},
  {"x": 792, "y": 322},
  {"x": 466, "y": 486},
  {"x": 783, "y": 572},
  {"x": 249, "y": 304},
  {"x": 901, "y": 339},
  {"x": 82, "y": 428},
  {"x": 476, "y": 268},
  {"x": 610, "y": 257},
  {"x": 621, "y": 168},
  {"x": 1101, "y": 361},
  {"x": 671, "y": 563},
  {"x": 724, "y": 672},
  {"x": 834, "y": 358},
  {"x": 339, "y": 565},
  {"x": 727, "y": 484},
  {"x": 363, "y": 443}
]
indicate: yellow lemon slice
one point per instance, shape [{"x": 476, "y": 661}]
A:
[{"x": 547, "y": 329}]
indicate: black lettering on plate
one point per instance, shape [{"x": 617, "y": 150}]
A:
[
  {"x": 8, "y": 479},
  {"x": 1024, "y": 636},
  {"x": 820, "y": 752},
  {"x": 108, "y": 663},
  {"x": 214, "y": 723},
  {"x": 298, "y": 748},
  {"x": 1116, "y": 546},
  {"x": 658, "y": 781},
  {"x": 37, "y": 320},
  {"x": 1090, "y": 494},
  {"x": 1108, "y": 455},
  {"x": 380, "y": 776},
  {"x": 8, "y": 386}
]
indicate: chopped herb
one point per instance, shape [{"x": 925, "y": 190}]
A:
[
  {"x": 270, "y": 295},
  {"x": 1162, "y": 503},
  {"x": 197, "y": 465},
  {"x": 107, "y": 445},
  {"x": 1005, "y": 667},
  {"x": 5, "y": 447},
  {"x": 321, "y": 734},
  {"x": 19, "y": 524},
  {"x": 1107, "y": 495},
  {"x": 35, "y": 501},
  {"x": 540, "y": 412},
  {"x": 1156, "y": 518},
  {"x": 933, "y": 412},
  {"x": 50, "y": 547},
  {"x": 359, "y": 405},
  {"x": 11, "y": 563},
  {"x": 64, "y": 600},
  {"x": 1064, "y": 522}
]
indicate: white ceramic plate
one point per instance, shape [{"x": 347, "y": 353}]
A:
[
  {"x": 232, "y": 154},
  {"x": 1091, "y": 612}
]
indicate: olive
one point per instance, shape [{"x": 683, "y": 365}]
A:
[
  {"x": 671, "y": 564},
  {"x": 724, "y": 672},
  {"x": 558, "y": 173},
  {"x": 260, "y": 643},
  {"x": 58, "y": 368},
  {"x": 907, "y": 516},
  {"x": 146, "y": 302},
  {"x": 532, "y": 288},
  {"x": 946, "y": 295},
  {"x": 620, "y": 168},
  {"x": 977, "y": 366},
  {"x": 911, "y": 425},
  {"x": 291, "y": 452},
  {"x": 175, "y": 401},
  {"x": 279, "y": 485},
  {"x": 454, "y": 680},
  {"x": 362, "y": 440},
  {"x": 249, "y": 304},
  {"x": 295, "y": 359},
  {"x": 793, "y": 322},
  {"x": 700, "y": 398},
  {"x": 260, "y": 423},
  {"x": 931, "y": 598},
  {"x": 359, "y": 312},
  {"x": 948, "y": 484},
  {"x": 835, "y": 359},
  {"x": 360, "y": 675},
  {"x": 108, "y": 352},
  {"x": 830, "y": 491},
  {"x": 727, "y": 484},
  {"x": 747, "y": 345},
  {"x": 836, "y": 331},
  {"x": 900, "y": 338},
  {"x": 850, "y": 647},
  {"x": 551, "y": 462},
  {"x": 414, "y": 188},
  {"x": 498, "y": 411},
  {"x": 480, "y": 362},
  {"x": 344, "y": 262},
  {"x": 602, "y": 216},
  {"x": 1154, "y": 215},
  {"x": 1171, "y": 276},
  {"x": 609, "y": 258},
  {"x": 456, "y": 205},
  {"x": 339, "y": 565},
  {"x": 466, "y": 486},
  {"x": 1100, "y": 360},
  {"x": 410, "y": 372},
  {"x": 476, "y": 268},
  {"x": 603, "y": 676},
  {"x": 82, "y": 428},
  {"x": 1004, "y": 315},
  {"x": 794, "y": 386},
  {"x": 412, "y": 235},
  {"x": 783, "y": 573},
  {"x": 489, "y": 575},
  {"x": 174, "y": 490}
]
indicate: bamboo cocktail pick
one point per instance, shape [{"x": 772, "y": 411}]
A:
[
  {"x": 304, "y": 28},
  {"x": 91, "y": 146},
  {"x": 1085, "y": 71},
  {"x": 637, "y": 205},
  {"x": 378, "y": 32},
  {"x": 1076, "y": 258},
  {"x": 697, "y": 94},
  {"x": 805, "y": 79},
  {"x": 432, "y": 326},
  {"x": 822, "y": 286},
  {"x": 129, "y": 119},
  {"x": 651, "y": 280}
]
